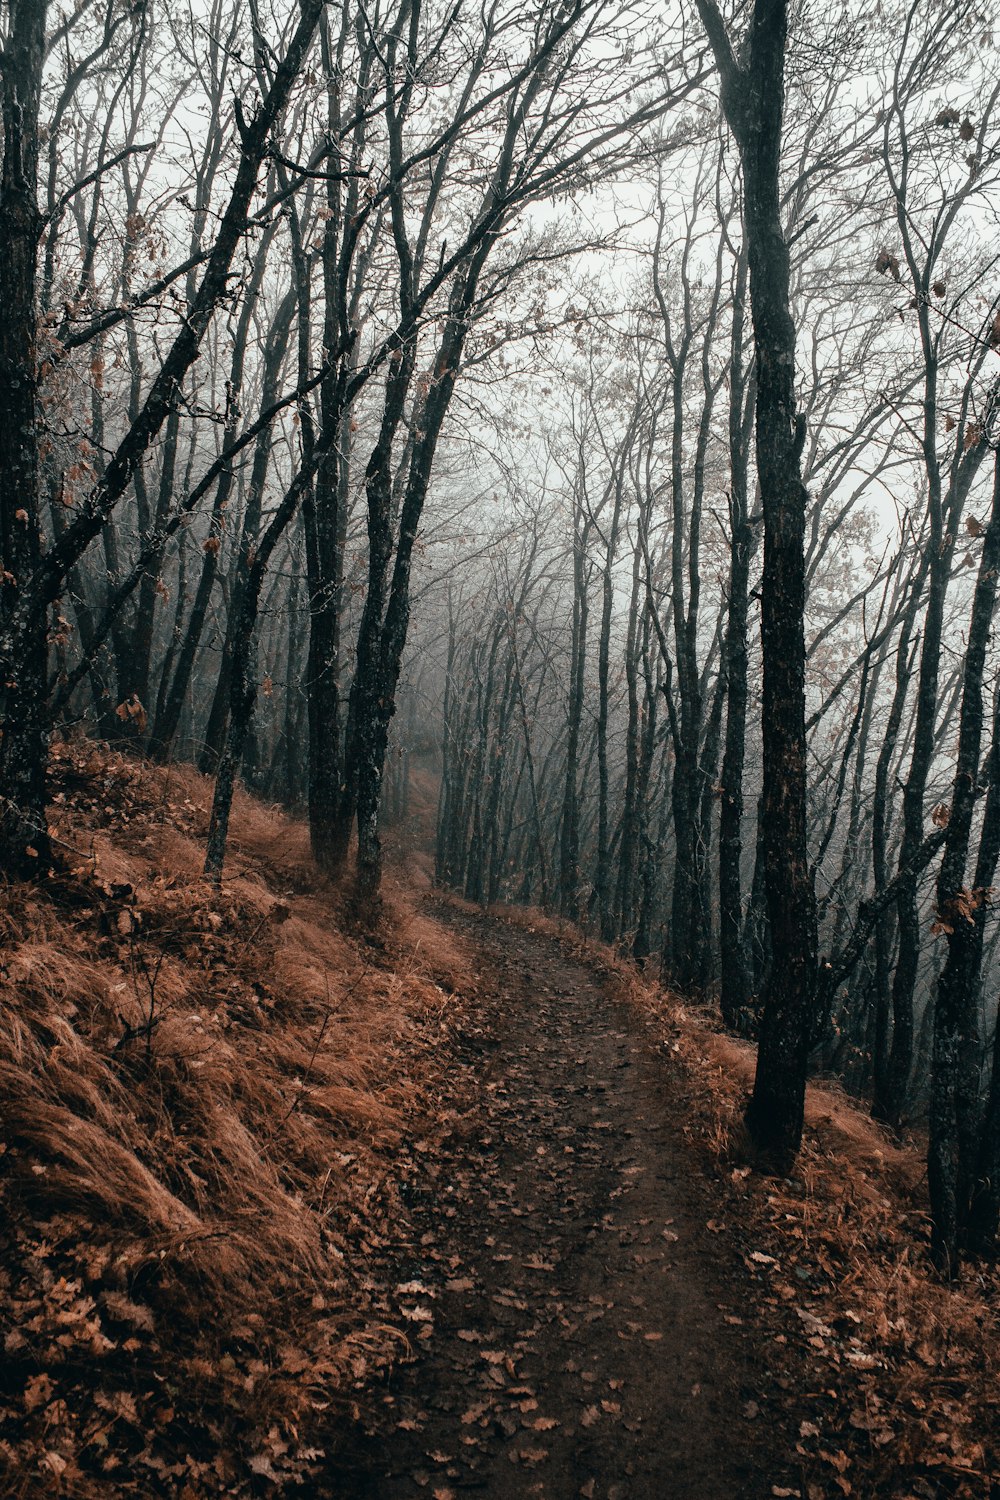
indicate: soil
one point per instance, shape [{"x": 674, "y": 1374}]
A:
[{"x": 578, "y": 1328}]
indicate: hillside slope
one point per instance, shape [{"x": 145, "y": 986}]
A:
[
  {"x": 210, "y": 1102},
  {"x": 271, "y": 1179}
]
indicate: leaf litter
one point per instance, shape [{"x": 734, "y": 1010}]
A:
[{"x": 258, "y": 1168}]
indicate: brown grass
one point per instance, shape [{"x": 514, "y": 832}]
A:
[{"x": 208, "y": 1100}]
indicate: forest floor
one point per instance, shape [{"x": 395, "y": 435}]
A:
[
  {"x": 589, "y": 1333},
  {"x": 295, "y": 1203},
  {"x": 609, "y": 1303}
]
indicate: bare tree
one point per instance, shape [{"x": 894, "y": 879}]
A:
[{"x": 752, "y": 95}]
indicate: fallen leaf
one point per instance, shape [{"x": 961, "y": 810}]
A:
[{"x": 417, "y": 1314}]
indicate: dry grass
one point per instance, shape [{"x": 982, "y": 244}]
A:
[
  {"x": 904, "y": 1367},
  {"x": 208, "y": 1101}
]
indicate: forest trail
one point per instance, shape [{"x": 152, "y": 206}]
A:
[{"x": 587, "y": 1338}]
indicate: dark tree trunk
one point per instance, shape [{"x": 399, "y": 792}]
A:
[
  {"x": 708, "y": 769},
  {"x": 475, "y": 882},
  {"x": 753, "y": 100},
  {"x": 569, "y": 833},
  {"x": 140, "y": 655},
  {"x": 243, "y": 683},
  {"x": 529, "y": 760},
  {"x": 326, "y": 511},
  {"x": 371, "y": 700},
  {"x": 602, "y": 879},
  {"x": 23, "y": 690},
  {"x": 628, "y": 844},
  {"x": 734, "y": 961},
  {"x": 648, "y": 849},
  {"x": 944, "y": 521},
  {"x": 687, "y": 955},
  {"x": 885, "y": 928},
  {"x": 276, "y": 347},
  {"x": 450, "y": 750},
  {"x": 953, "y": 1143},
  {"x": 649, "y": 877}
]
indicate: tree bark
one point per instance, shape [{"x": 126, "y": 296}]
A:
[
  {"x": 753, "y": 97},
  {"x": 953, "y": 1142},
  {"x": 734, "y": 962},
  {"x": 23, "y": 720}
]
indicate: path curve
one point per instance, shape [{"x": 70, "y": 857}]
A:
[{"x": 587, "y": 1333}]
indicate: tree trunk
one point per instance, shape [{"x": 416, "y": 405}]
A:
[
  {"x": 569, "y": 834},
  {"x": 734, "y": 962},
  {"x": 23, "y": 690},
  {"x": 243, "y": 685},
  {"x": 882, "y": 1101},
  {"x": 602, "y": 880},
  {"x": 752, "y": 97},
  {"x": 952, "y": 1147}
]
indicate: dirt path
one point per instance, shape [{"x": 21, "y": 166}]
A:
[{"x": 587, "y": 1331}]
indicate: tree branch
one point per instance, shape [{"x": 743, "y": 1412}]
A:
[
  {"x": 834, "y": 970},
  {"x": 84, "y": 182}
]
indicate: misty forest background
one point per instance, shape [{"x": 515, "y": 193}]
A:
[{"x": 384, "y": 403}]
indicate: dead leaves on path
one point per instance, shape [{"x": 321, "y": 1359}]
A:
[
  {"x": 896, "y": 1390},
  {"x": 499, "y": 1278}
]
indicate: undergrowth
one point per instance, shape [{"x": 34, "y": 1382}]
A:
[{"x": 209, "y": 1102}]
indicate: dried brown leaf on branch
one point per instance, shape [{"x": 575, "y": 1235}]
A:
[
  {"x": 132, "y": 712},
  {"x": 886, "y": 261}
]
